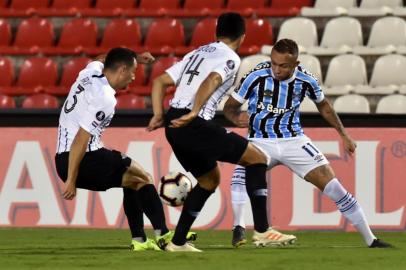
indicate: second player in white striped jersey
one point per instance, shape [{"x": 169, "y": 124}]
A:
[{"x": 195, "y": 67}]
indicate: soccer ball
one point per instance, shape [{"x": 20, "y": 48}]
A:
[{"x": 174, "y": 188}]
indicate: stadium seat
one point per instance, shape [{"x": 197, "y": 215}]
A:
[
  {"x": 70, "y": 72},
  {"x": 323, "y": 8},
  {"x": 5, "y": 33},
  {"x": 375, "y": 8},
  {"x": 33, "y": 34},
  {"x": 387, "y": 35},
  {"x": 23, "y": 8},
  {"x": 312, "y": 64},
  {"x": 106, "y": 8},
  {"x": 387, "y": 75},
  {"x": 245, "y": 8},
  {"x": 61, "y": 8},
  {"x": 351, "y": 104},
  {"x": 119, "y": 32},
  {"x": 302, "y": 30},
  {"x": 394, "y": 104},
  {"x": 344, "y": 73},
  {"x": 164, "y": 35},
  {"x": 193, "y": 8},
  {"x": 130, "y": 101},
  {"x": 7, "y": 75},
  {"x": 36, "y": 74},
  {"x": 77, "y": 35},
  {"x": 340, "y": 35},
  {"x": 308, "y": 105},
  {"x": 281, "y": 8},
  {"x": 248, "y": 63},
  {"x": 140, "y": 78},
  {"x": 158, "y": 68},
  {"x": 203, "y": 33},
  {"x": 7, "y": 102},
  {"x": 154, "y": 8},
  {"x": 40, "y": 101},
  {"x": 258, "y": 33}
]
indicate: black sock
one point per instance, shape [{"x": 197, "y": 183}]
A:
[
  {"x": 257, "y": 191},
  {"x": 191, "y": 209},
  {"x": 152, "y": 206},
  {"x": 134, "y": 214}
]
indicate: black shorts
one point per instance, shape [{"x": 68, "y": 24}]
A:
[
  {"x": 199, "y": 145},
  {"x": 99, "y": 170}
]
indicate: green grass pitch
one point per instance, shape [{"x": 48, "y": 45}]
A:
[{"x": 108, "y": 249}]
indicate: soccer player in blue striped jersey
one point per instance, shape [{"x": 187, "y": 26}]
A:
[{"x": 274, "y": 91}]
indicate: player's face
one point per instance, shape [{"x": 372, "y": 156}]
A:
[
  {"x": 283, "y": 65},
  {"x": 127, "y": 75}
]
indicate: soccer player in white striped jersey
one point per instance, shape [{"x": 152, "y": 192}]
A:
[
  {"x": 274, "y": 91},
  {"x": 202, "y": 78},
  {"x": 82, "y": 161}
]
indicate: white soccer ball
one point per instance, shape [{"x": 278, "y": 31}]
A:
[{"x": 174, "y": 188}]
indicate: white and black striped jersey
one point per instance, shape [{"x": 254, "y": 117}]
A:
[
  {"x": 89, "y": 105},
  {"x": 194, "y": 69},
  {"x": 273, "y": 105}
]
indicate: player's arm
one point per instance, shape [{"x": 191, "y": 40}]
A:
[
  {"x": 232, "y": 111},
  {"x": 206, "y": 89},
  {"x": 327, "y": 111},
  {"x": 158, "y": 93},
  {"x": 76, "y": 154}
]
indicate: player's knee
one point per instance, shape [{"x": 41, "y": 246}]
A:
[
  {"x": 253, "y": 155},
  {"x": 211, "y": 180}
]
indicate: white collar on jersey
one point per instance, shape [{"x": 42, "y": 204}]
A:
[{"x": 290, "y": 79}]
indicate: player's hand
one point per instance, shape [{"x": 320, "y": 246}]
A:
[
  {"x": 156, "y": 122},
  {"x": 183, "y": 121},
  {"x": 349, "y": 145},
  {"x": 242, "y": 120},
  {"x": 145, "y": 58},
  {"x": 69, "y": 191}
]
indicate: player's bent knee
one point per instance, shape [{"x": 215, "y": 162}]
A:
[
  {"x": 211, "y": 180},
  {"x": 320, "y": 176},
  {"x": 253, "y": 155}
]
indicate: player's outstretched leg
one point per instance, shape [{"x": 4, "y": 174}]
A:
[
  {"x": 323, "y": 177},
  {"x": 238, "y": 199},
  {"x": 194, "y": 203},
  {"x": 146, "y": 198}
]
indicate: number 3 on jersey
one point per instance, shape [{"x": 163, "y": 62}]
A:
[
  {"x": 75, "y": 100},
  {"x": 192, "y": 67}
]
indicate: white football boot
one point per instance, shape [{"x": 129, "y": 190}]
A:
[
  {"x": 187, "y": 247},
  {"x": 272, "y": 237}
]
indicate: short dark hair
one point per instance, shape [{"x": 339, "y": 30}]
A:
[
  {"x": 118, "y": 56},
  {"x": 230, "y": 25},
  {"x": 286, "y": 46}
]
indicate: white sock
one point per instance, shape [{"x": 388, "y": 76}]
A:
[
  {"x": 350, "y": 208},
  {"x": 239, "y": 196}
]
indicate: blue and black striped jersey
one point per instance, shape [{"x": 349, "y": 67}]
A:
[{"x": 273, "y": 106}]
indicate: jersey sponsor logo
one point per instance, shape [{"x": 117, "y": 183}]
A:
[
  {"x": 271, "y": 108},
  {"x": 100, "y": 115},
  {"x": 230, "y": 64}
]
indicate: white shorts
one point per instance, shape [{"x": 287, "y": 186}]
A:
[{"x": 297, "y": 153}]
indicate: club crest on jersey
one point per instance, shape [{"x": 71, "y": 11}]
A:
[
  {"x": 230, "y": 64},
  {"x": 100, "y": 115}
]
